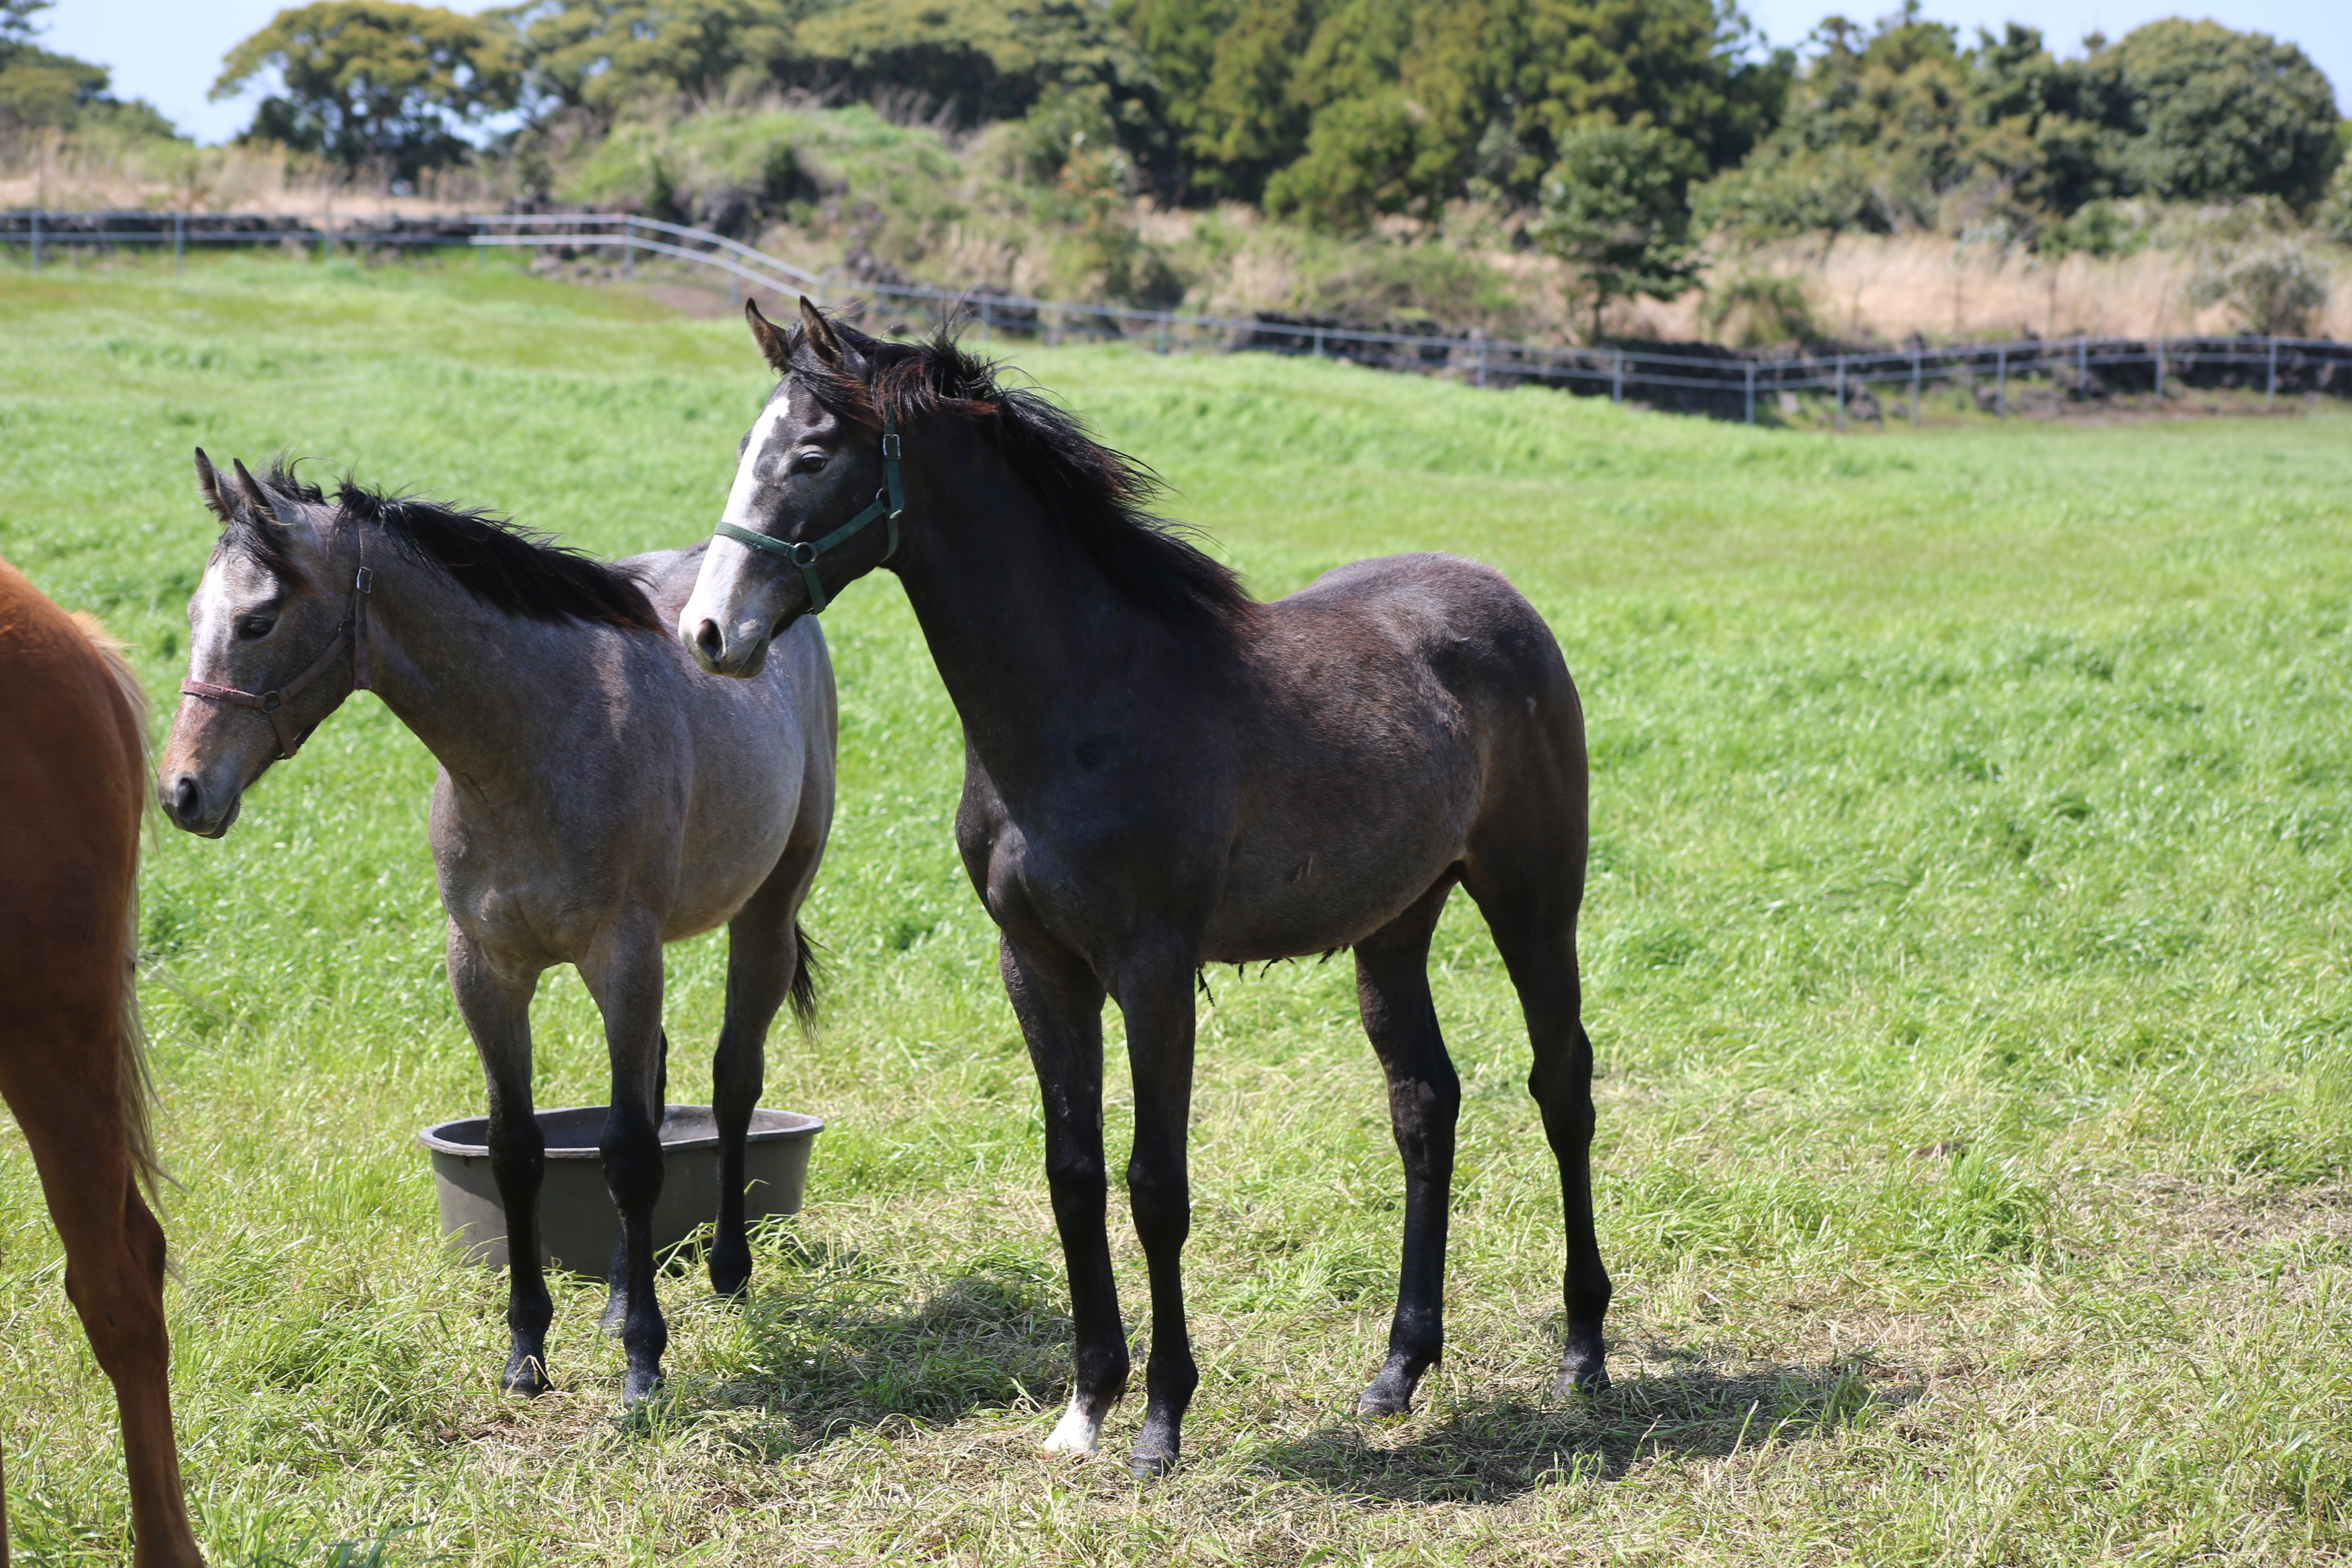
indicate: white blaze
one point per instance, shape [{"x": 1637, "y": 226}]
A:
[{"x": 747, "y": 481}]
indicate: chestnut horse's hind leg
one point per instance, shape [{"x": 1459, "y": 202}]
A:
[
  {"x": 114, "y": 1276},
  {"x": 623, "y": 969},
  {"x": 497, "y": 1010},
  {"x": 1059, "y": 1004},
  {"x": 1425, "y": 1101},
  {"x": 1530, "y": 901}
]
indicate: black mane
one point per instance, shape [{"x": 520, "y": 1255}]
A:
[
  {"x": 504, "y": 565},
  {"x": 1099, "y": 496}
]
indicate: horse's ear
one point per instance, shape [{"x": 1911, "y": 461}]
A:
[
  {"x": 264, "y": 505},
  {"x": 209, "y": 487},
  {"x": 775, "y": 346},
  {"x": 821, "y": 335}
]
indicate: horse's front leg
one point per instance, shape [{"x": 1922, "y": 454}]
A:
[
  {"x": 623, "y": 969},
  {"x": 1154, "y": 989},
  {"x": 496, "y": 1005},
  {"x": 1059, "y": 1004}
]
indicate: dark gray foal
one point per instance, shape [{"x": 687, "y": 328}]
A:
[
  {"x": 1161, "y": 774},
  {"x": 596, "y": 799}
]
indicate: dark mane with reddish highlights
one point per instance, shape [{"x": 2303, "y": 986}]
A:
[
  {"x": 1099, "y": 496},
  {"x": 506, "y": 566}
]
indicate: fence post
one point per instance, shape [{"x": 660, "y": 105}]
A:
[
  {"x": 1162, "y": 332},
  {"x": 2160, "y": 370},
  {"x": 2270, "y": 391},
  {"x": 36, "y": 239},
  {"x": 1914, "y": 387},
  {"x": 2081, "y": 367},
  {"x": 1316, "y": 349},
  {"x": 1617, "y": 377},
  {"x": 179, "y": 240},
  {"x": 2001, "y": 382},
  {"x": 1841, "y": 394},
  {"x": 629, "y": 251},
  {"x": 1751, "y": 391}
]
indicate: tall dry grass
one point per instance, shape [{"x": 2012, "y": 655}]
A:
[
  {"x": 1891, "y": 287},
  {"x": 50, "y": 170}
]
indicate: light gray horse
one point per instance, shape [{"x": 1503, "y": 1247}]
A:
[{"x": 597, "y": 797}]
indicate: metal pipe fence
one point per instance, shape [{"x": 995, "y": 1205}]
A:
[{"x": 1720, "y": 382}]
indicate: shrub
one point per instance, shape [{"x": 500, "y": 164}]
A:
[{"x": 2274, "y": 288}]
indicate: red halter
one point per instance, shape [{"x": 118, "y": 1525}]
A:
[{"x": 273, "y": 703}]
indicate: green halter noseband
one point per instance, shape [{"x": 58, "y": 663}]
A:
[{"x": 888, "y": 504}]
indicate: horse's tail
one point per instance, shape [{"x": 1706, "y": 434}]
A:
[
  {"x": 808, "y": 973},
  {"x": 136, "y": 1087}
]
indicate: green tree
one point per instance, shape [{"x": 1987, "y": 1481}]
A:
[
  {"x": 40, "y": 86},
  {"x": 2211, "y": 113},
  {"x": 1902, "y": 128},
  {"x": 606, "y": 57},
  {"x": 1615, "y": 210},
  {"x": 1341, "y": 111},
  {"x": 986, "y": 60},
  {"x": 376, "y": 81}
]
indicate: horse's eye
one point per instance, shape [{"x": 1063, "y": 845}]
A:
[
  {"x": 253, "y": 629},
  {"x": 810, "y": 462}
]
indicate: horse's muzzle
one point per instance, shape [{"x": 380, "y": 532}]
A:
[
  {"x": 742, "y": 659},
  {"x": 183, "y": 801}
]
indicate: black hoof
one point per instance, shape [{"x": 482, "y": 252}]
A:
[
  {"x": 1390, "y": 1395},
  {"x": 1149, "y": 1462},
  {"x": 640, "y": 1386},
  {"x": 526, "y": 1376},
  {"x": 1581, "y": 1380},
  {"x": 730, "y": 1275}
]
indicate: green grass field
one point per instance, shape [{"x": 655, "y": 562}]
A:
[{"x": 1966, "y": 958}]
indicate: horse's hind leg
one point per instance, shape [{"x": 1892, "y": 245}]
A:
[
  {"x": 1529, "y": 898},
  {"x": 763, "y": 961},
  {"x": 1424, "y": 1100},
  {"x": 114, "y": 1276},
  {"x": 495, "y": 1007},
  {"x": 617, "y": 1273},
  {"x": 623, "y": 969}
]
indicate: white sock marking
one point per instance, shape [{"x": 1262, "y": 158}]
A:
[{"x": 1076, "y": 1433}]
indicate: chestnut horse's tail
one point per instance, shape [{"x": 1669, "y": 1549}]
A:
[{"x": 138, "y": 1088}]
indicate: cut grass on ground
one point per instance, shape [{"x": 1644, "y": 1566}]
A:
[{"x": 1966, "y": 950}]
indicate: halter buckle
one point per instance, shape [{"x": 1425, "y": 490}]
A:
[
  {"x": 366, "y": 582},
  {"x": 890, "y": 445},
  {"x": 271, "y": 701},
  {"x": 804, "y": 553}
]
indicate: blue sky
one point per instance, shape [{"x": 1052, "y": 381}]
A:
[{"x": 169, "y": 51}]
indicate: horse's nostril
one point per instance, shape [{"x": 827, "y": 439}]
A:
[
  {"x": 708, "y": 639},
  {"x": 188, "y": 799}
]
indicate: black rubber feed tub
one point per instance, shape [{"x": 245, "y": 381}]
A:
[{"x": 578, "y": 1227}]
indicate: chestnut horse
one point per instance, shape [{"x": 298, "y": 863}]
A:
[
  {"x": 73, "y": 1065},
  {"x": 1161, "y": 773}
]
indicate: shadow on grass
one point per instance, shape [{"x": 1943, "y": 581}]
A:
[
  {"x": 832, "y": 1345},
  {"x": 1494, "y": 1450}
]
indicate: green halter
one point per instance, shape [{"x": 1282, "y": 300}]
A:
[{"x": 887, "y": 503}]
